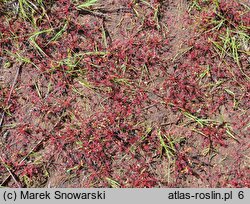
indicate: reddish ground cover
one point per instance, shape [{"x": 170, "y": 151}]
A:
[{"x": 125, "y": 93}]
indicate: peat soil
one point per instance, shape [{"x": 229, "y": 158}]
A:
[{"x": 132, "y": 112}]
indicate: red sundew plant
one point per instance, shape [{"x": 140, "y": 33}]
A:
[{"x": 109, "y": 96}]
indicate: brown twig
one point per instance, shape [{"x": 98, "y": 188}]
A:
[
  {"x": 10, "y": 173},
  {"x": 116, "y": 10},
  {"x": 93, "y": 13},
  {"x": 35, "y": 148},
  {"x": 24, "y": 158},
  {"x": 10, "y": 93}
]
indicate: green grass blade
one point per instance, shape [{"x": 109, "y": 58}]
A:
[{"x": 87, "y": 4}]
